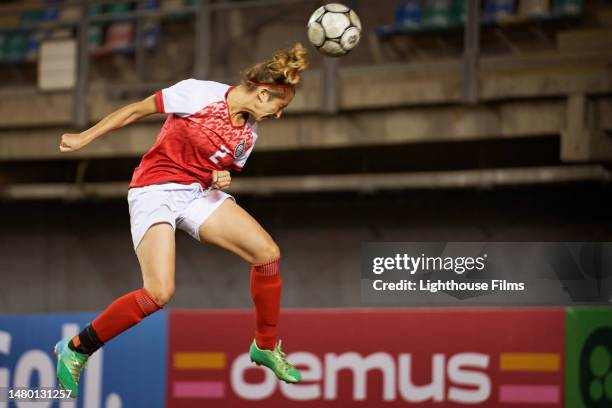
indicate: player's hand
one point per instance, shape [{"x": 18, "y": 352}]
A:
[
  {"x": 72, "y": 141},
  {"x": 221, "y": 179}
]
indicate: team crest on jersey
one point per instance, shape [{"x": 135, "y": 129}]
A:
[{"x": 239, "y": 149}]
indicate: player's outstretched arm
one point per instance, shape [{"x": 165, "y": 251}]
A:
[{"x": 118, "y": 119}]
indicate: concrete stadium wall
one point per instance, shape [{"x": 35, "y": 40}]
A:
[{"x": 62, "y": 256}]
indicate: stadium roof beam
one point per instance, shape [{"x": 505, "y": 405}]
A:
[
  {"x": 360, "y": 183},
  {"x": 81, "y": 112},
  {"x": 202, "y": 42},
  {"x": 366, "y": 128},
  {"x": 471, "y": 52},
  {"x": 583, "y": 137}
]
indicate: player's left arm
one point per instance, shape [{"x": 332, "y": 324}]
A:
[{"x": 117, "y": 119}]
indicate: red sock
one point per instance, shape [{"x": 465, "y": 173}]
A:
[
  {"x": 124, "y": 313},
  {"x": 266, "y": 293}
]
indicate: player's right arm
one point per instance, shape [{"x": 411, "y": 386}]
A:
[{"x": 118, "y": 119}]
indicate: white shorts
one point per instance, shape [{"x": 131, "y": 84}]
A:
[{"x": 185, "y": 206}]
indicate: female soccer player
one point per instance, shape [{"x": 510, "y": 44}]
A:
[{"x": 211, "y": 127}]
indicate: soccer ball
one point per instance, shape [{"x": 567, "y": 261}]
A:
[{"x": 334, "y": 29}]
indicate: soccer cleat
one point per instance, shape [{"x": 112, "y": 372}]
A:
[
  {"x": 69, "y": 366},
  {"x": 275, "y": 360}
]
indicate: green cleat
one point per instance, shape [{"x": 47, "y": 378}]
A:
[
  {"x": 69, "y": 366},
  {"x": 275, "y": 361}
]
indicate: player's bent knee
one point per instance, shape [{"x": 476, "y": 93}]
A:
[
  {"x": 161, "y": 295},
  {"x": 267, "y": 252}
]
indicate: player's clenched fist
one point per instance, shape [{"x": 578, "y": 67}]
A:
[
  {"x": 221, "y": 179},
  {"x": 72, "y": 141}
]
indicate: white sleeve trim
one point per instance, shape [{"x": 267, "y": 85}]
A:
[{"x": 191, "y": 95}]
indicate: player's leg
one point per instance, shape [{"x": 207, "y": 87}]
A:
[
  {"x": 232, "y": 228},
  {"x": 156, "y": 255}
]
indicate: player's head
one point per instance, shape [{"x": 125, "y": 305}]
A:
[{"x": 273, "y": 81}]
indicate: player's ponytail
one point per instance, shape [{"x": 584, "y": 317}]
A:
[
  {"x": 290, "y": 63},
  {"x": 284, "y": 68}
]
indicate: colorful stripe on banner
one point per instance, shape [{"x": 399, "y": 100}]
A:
[
  {"x": 199, "y": 389},
  {"x": 529, "y": 394},
  {"x": 550, "y": 362},
  {"x": 200, "y": 360}
]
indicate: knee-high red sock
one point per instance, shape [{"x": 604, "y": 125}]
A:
[
  {"x": 266, "y": 293},
  {"x": 124, "y": 313}
]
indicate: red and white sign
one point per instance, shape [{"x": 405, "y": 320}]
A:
[{"x": 372, "y": 358}]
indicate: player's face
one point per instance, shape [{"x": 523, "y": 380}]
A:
[{"x": 269, "y": 106}]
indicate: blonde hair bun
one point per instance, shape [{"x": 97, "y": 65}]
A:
[
  {"x": 291, "y": 62},
  {"x": 285, "y": 67}
]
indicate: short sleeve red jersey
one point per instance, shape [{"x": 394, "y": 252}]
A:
[{"x": 197, "y": 137}]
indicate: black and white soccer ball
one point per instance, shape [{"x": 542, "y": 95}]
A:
[{"x": 334, "y": 29}]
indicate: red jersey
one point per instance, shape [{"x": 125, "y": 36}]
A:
[{"x": 197, "y": 137}]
